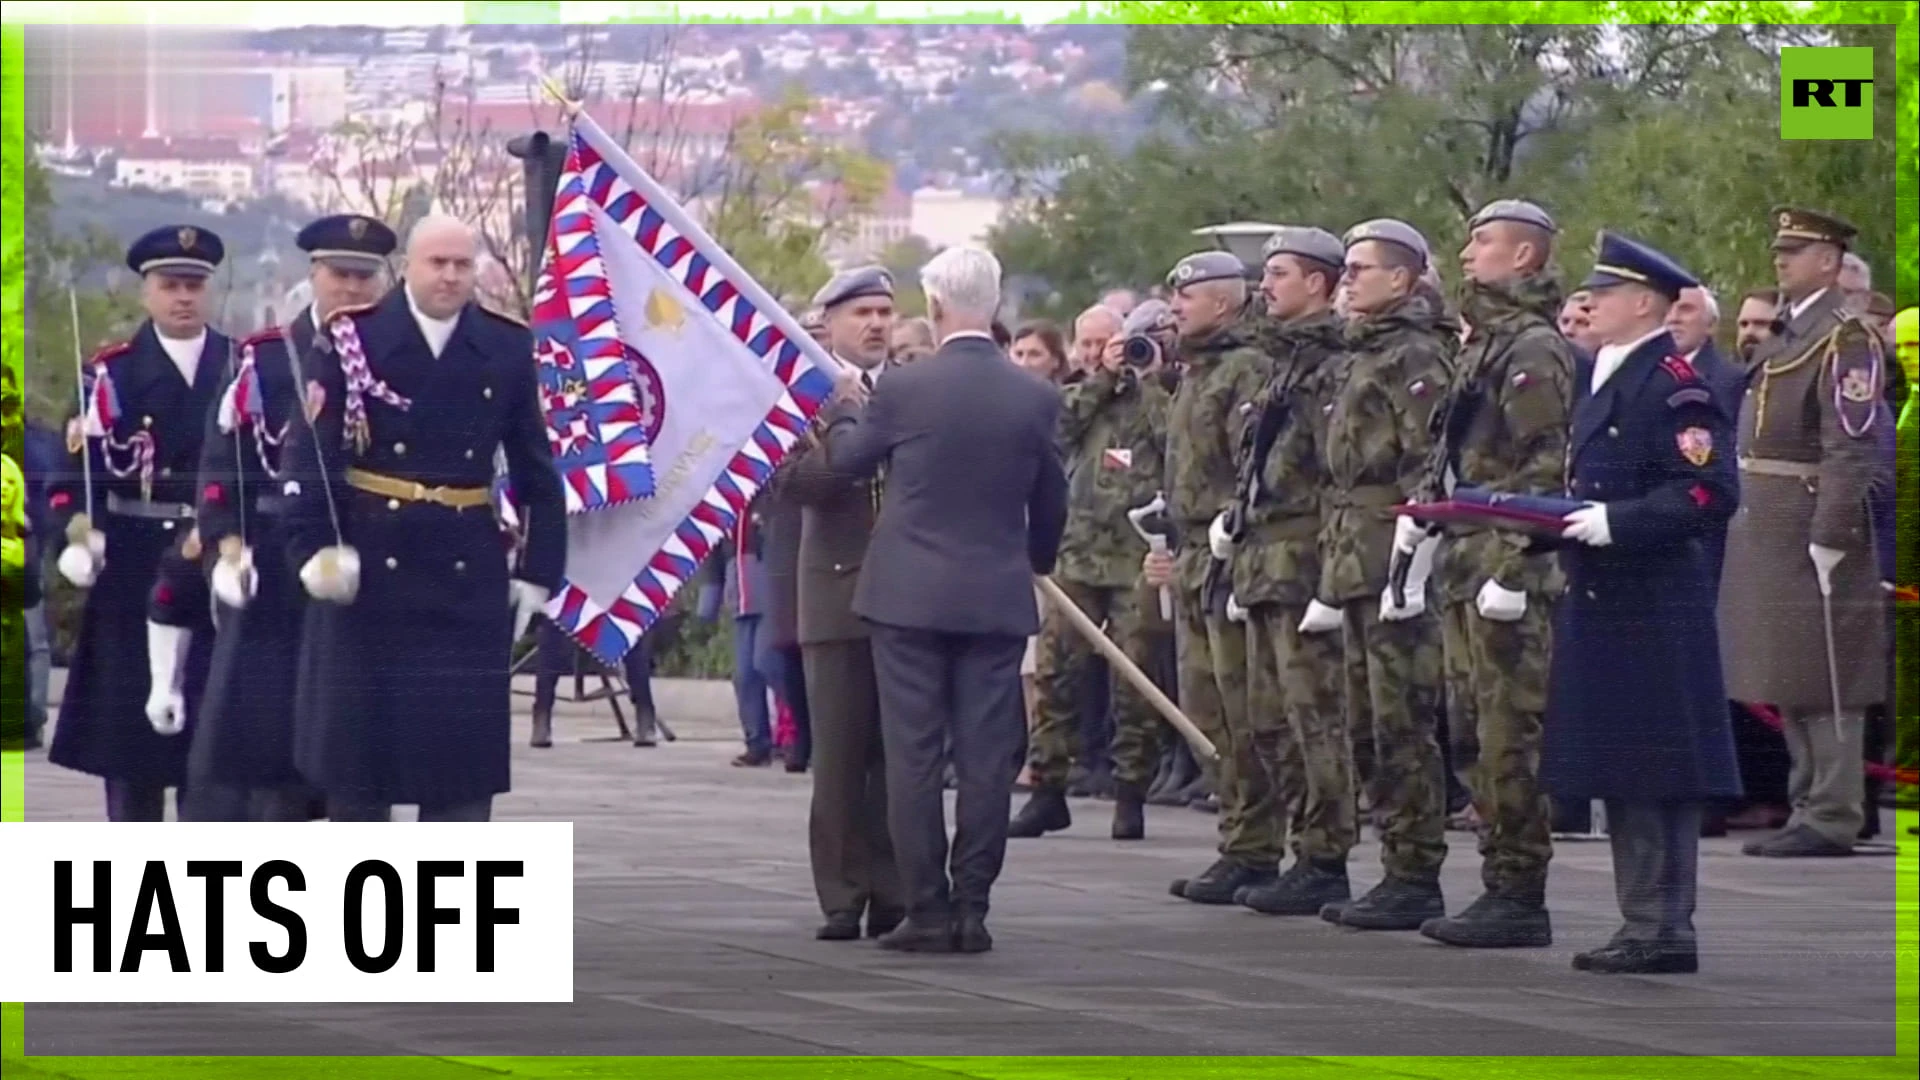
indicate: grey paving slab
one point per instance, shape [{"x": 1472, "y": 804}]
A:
[{"x": 695, "y": 915}]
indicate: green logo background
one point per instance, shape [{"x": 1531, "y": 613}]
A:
[{"x": 1816, "y": 121}]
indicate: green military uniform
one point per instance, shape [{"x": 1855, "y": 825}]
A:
[
  {"x": 1378, "y": 440},
  {"x": 1225, "y": 371},
  {"x": 1296, "y": 678},
  {"x": 1906, "y": 710},
  {"x": 1503, "y": 426},
  {"x": 1112, "y": 431}
]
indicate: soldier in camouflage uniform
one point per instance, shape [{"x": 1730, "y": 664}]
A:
[
  {"x": 1396, "y": 369},
  {"x": 1112, "y": 429},
  {"x": 1225, "y": 370},
  {"x": 1295, "y": 680},
  {"x": 1502, "y": 426}
]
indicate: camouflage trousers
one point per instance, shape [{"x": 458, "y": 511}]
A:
[
  {"x": 1060, "y": 664},
  {"x": 1409, "y": 786},
  {"x": 1295, "y": 692},
  {"x": 1213, "y": 693},
  {"x": 1496, "y": 687}
]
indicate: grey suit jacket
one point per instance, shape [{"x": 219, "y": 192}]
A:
[{"x": 974, "y": 493}]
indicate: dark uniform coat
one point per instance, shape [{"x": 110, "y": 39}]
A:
[
  {"x": 1812, "y": 406},
  {"x": 1637, "y": 710},
  {"x": 244, "y": 733},
  {"x": 103, "y": 728},
  {"x": 404, "y": 692}
]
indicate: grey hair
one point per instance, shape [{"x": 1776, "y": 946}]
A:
[
  {"x": 965, "y": 280},
  {"x": 1852, "y": 261},
  {"x": 1708, "y": 301}
]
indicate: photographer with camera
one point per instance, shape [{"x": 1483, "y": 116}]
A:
[{"x": 1112, "y": 430}]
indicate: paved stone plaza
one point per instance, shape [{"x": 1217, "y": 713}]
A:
[{"x": 695, "y": 919}]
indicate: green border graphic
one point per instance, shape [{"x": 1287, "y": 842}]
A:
[{"x": 1901, "y": 15}]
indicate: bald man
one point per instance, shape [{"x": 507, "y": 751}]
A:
[{"x": 403, "y": 696}]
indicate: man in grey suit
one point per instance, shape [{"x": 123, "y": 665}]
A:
[
  {"x": 974, "y": 501},
  {"x": 847, "y": 840}
]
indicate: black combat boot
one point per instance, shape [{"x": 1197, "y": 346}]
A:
[
  {"x": 1162, "y": 774},
  {"x": 1394, "y": 904},
  {"x": 646, "y": 726},
  {"x": 1101, "y": 782},
  {"x": 1129, "y": 812},
  {"x": 1495, "y": 921},
  {"x": 1223, "y": 879},
  {"x": 1182, "y": 772},
  {"x": 1046, "y": 811},
  {"x": 1304, "y": 889},
  {"x": 542, "y": 727}
]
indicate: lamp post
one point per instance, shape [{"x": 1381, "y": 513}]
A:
[
  {"x": 543, "y": 158},
  {"x": 1243, "y": 239}
]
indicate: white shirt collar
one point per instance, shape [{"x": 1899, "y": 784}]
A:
[
  {"x": 436, "y": 331},
  {"x": 1807, "y": 302},
  {"x": 1689, "y": 357},
  {"x": 1610, "y": 357},
  {"x": 958, "y": 334},
  {"x": 184, "y": 352}
]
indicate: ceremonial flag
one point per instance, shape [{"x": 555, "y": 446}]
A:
[{"x": 672, "y": 387}]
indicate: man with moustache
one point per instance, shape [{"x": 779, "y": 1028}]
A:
[
  {"x": 1225, "y": 369},
  {"x": 141, "y": 437},
  {"x": 855, "y": 874},
  {"x": 1802, "y": 612},
  {"x": 1397, "y": 365},
  {"x": 404, "y": 694},
  {"x": 241, "y": 762},
  {"x": 1502, "y": 427},
  {"x": 1294, "y": 679},
  {"x": 1637, "y": 713},
  {"x": 1753, "y": 324}
]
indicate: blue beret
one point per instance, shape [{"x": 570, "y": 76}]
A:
[
  {"x": 348, "y": 241},
  {"x": 1306, "y": 243},
  {"x": 1519, "y": 210},
  {"x": 854, "y": 284},
  {"x": 1389, "y": 231},
  {"x": 1206, "y": 266},
  {"x": 180, "y": 250},
  {"x": 1625, "y": 261}
]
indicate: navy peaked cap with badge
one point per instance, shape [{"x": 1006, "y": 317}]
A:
[
  {"x": 1206, "y": 266},
  {"x": 1625, "y": 261},
  {"x": 348, "y": 241},
  {"x": 1516, "y": 210},
  {"x": 1795, "y": 229},
  {"x": 1303, "y": 242},
  {"x": 1390, "y": 231},
  {"x": 855, "y": 284},
  {"x": 179, "y": 250}
]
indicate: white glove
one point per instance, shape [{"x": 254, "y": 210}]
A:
[
  {"x": 1589, "y": 525},
  {"x": 1407, "y": 534},
  {"x": 1217, "y": 539},
  {"x": 527, "y": 600},
  {"x": 1320, "y": 618},
  {"x": 166, "y": 656},
  {"x": 1500, "y": 604},
  {"x": 333, "y": 575},
  {"x": 1824, "y": 560},
  {"x": 79, "y": 565},
  {"x": 1419, "y": 569},
  {"x": 1235, "y": 613},
  {"x": 235, "y": 581}
]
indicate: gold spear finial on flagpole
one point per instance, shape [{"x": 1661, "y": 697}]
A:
[{"x": 559, "y": 95}]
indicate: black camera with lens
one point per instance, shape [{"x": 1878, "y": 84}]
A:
[
  {"x": 1147, "y": 335},
  {"x": 1140, "y": 351}
]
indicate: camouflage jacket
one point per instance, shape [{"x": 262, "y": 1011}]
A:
[
  {"x": 1283, "y": 473},
  {"x": 1385, "y": 388},
  {"x": 1503, "y": 425},
  {"x": 1225, "y": 371},
  {"x": 1113, "y": 426}
]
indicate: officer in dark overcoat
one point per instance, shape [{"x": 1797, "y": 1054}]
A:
[
  {"x": 126, "y": 503},
  {"x": 403, "y": 689},
  {"x": 1637, "y": 711},
  {"x": 241, "y": 764}
]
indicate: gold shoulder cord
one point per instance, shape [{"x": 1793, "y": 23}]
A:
[{"x": 1768, "y": 371}]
